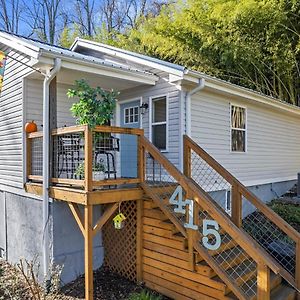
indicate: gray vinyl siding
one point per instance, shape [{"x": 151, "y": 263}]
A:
[
  {"x": 162, "y": 87},
  {"x": 273, "y": 138},
  {"x": 34, "y": 103},
  {"x": 11, "y": 120}
]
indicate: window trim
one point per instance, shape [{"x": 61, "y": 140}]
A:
[
  {"x": 128, "y": 108},
  {"x": 232, "y": 128},
  {"x": 151, "y": 100}
]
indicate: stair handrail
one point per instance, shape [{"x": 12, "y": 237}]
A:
[
  {"x": 190, "y": 144},
  {"x": 206, "y": 202}
]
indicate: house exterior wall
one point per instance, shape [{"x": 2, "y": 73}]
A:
[
  {"x": 11, "y": 120},
  {"x": 273, "y": 139},
  {"x": 34, "y": 103},
  {"x": 162, "y": 88}
]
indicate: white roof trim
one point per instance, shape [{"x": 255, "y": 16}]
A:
[
  {"x": 130, "y": 56},
  {"x": 245, "y": 93},
  {"x": 37, "y": 50},
  {"x": 17, "y": 44}
]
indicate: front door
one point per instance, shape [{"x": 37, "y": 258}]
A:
[{"x": 130, "y": 117}]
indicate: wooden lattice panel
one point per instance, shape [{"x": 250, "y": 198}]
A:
[{"x": 120, "y": 245}]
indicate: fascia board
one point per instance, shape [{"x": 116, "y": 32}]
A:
[
  {"x": 18, "y": 45},
  {"x": 130, "y": 57},
  {"x": 94, "y": 68},
  {"x": 244, "y": 93}
]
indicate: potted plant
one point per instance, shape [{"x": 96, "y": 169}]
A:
[
  {"x": 98, "y": 171},
  {"x": 95, "y": 106}
]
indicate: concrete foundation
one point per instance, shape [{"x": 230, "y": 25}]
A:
[
  {"x": 21, "y": 235},
  {"x": 265, "y": 192},
  {"x": 68, "y": 242}
]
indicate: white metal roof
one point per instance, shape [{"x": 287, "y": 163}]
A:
[
  {"x": 189, "y": 75},
  {"x": 36, "y": 49}
]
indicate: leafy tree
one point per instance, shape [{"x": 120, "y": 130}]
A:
[{"x": 254, "y": 43}]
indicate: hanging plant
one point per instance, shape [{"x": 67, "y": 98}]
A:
[{"x": 95, "y": 106}]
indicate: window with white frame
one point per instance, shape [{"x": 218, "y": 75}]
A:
[
  {"x": 238, "y": 129},
  {"x": 159, "y": 122},
  {"x": 131, "y": 115}
]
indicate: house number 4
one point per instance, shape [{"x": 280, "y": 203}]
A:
[{"x": 210, "y": 227}]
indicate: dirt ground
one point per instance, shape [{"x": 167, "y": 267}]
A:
[{"x": 107, "y": 286}]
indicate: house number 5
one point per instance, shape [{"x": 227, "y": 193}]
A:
[{"x": 210, "y": 227}]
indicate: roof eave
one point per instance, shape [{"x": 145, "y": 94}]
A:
[
  {"x": 19, "y": 45},
  {"x": 233, "y": 89},
  {"x": 73, "y": 63},
  {"x": 130, "y": 56}
]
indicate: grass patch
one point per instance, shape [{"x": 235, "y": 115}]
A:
[
  {"x": 144, "y": 295},
  {"x": 287, "y": 211}
]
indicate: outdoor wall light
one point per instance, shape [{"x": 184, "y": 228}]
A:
[{"x": 144, "y": 107}]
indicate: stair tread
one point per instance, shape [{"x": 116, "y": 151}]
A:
[
  {"x": 283, "y": 292},
  {"x": 230, "y": 255},
  {"x": 242, "y": 269}
]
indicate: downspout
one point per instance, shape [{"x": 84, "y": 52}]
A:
[
  {"x": 188, "y": 112},
  {"x": 46, "y": 162}
]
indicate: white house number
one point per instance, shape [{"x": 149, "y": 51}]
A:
[{"x": 210, "y": 227}]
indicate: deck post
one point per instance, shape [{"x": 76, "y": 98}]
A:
[
  {"x": 187, "y": 164},
  {"x": 297, "y": 269},
  {"x": 88, "y": 160},
  {"x": 263, "y": 282},
  {"x": 236, "y": 205},
  {"x": 88, "y": 252},
  {"x": 28, "y": 157},
  {"x": 139, "y": 240},
  {"x": 141, "y": 160}
]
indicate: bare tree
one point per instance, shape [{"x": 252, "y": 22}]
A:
[
  {"x": 10, "y": 15},
  {"x": 119, "y": 15},
  {"x": 85, "y": 16},
  {"x": 46, "y": 18}
]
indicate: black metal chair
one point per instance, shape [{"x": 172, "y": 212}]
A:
[
  {"x": 105, "y": 146},
  {"x": 68, "y": 154}
]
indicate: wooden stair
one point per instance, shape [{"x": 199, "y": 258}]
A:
[
  {"x": 166, "y": 260},
  {"x": 239, "y": 269}
]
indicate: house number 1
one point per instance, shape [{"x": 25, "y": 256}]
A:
[{"x": 210, "y": 227}]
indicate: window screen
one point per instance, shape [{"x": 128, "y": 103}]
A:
[
  {"x": 159, "y": 122},
  {"x": 238, "y": 129}
]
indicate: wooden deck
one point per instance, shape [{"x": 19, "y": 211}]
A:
[{"x": 87, "y": 198}]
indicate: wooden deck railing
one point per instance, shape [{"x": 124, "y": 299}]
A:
[
  {"x": 161, "y": 179},
  {"x": 78, "y": 154},
  {"x": 265, "y": 223}
]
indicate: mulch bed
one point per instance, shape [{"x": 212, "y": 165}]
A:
[{"x": 107, "y": 286}]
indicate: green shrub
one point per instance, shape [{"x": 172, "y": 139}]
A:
[
  {"x": 290, "y": 213},
  {"x": 144, "y": 295},
  {"x": 95, "y": 106}
]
